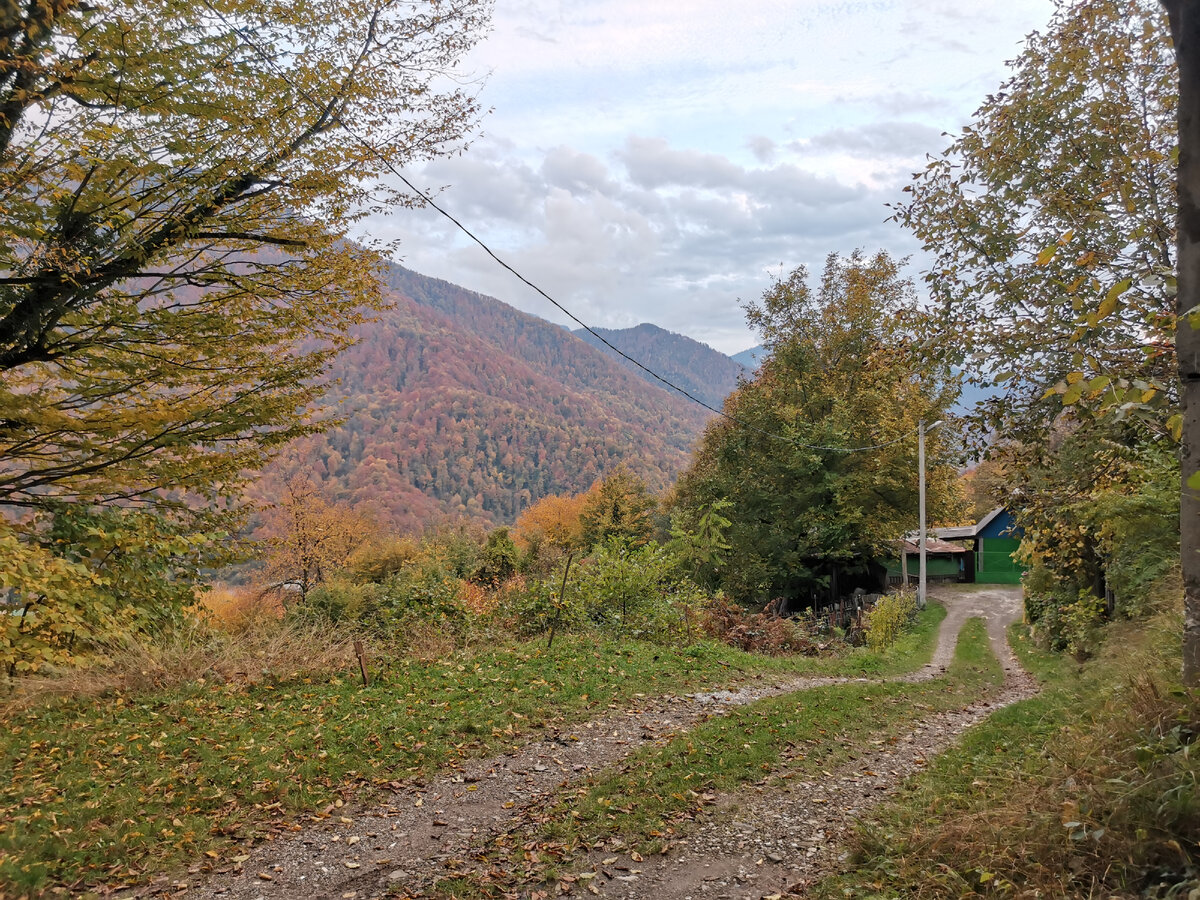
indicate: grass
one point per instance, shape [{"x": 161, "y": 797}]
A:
[
  {"x": 153, "y": 764},
  {"x": 1091, "y": 788},
  {"x": 105, "y": 792},
  {"x": 650, "y": 797}
]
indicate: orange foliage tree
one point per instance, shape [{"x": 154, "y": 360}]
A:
[{"x": 308, "y": 538}]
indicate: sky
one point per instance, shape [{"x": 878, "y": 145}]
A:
[{"x": 663, "y": 160}]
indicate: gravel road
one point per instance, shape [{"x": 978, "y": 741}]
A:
[{"x": 781, "y": 837}]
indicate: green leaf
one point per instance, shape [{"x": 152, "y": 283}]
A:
[{"x": 1175, "y": 426}]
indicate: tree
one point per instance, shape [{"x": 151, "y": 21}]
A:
[
  {"x": 843, "y": 373},
  {"x": 618, "y": 506},
  {"x": 551, "y": 523},
  {"x": 1049, "y": 224},
  {"x": 176, "y": 182},
  {"x": 1052, "y": 223},
  {"x": 1185, "y": 30},
  {"x": 308, "y": 539}
]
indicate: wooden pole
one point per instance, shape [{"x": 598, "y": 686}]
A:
[{"x": 362, "y": 661}]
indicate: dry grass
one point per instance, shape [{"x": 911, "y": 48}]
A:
[
  {"x": 257, "y": 647},
  {"x": 236, "y": 607}
]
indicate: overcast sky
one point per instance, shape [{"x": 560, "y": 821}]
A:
[{"x": 659, "y": 160}]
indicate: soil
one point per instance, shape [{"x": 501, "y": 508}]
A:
[{"x": 776, "y": 838}]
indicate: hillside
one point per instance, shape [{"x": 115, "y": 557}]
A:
[
  {"x": 456, "y": 404},
  {"x": 697, "y": 368},
  {"x": 752, "y": 357}
]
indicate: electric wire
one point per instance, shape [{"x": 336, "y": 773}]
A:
[{"x": 429, "y": 201}]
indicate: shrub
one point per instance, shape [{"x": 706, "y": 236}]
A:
[
  {"x": 761, "y": 632},
  {"x": 889, "y": 617},
  {"x": 635, "y": 591}
]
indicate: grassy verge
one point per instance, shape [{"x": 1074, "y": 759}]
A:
[
  {"x": 108, "y": 789},
  {"x": 1091, "y": 788},
  {"x": 653, "y": 795}
]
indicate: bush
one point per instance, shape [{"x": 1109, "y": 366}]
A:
[
  {"x": 635, "y": 591},
  {"x": 761, "y": 632},
  {"x": 889, "y": 617}
]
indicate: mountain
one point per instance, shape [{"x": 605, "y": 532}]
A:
[
  {"x": 751, "y": 358},
  {"x": 455, "y": 404},
  {"x": 697, "y": 368}
]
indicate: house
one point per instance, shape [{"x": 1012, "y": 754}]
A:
[
  {"x": 994, "y": 539},
  {"x": 944, "y": 561}
]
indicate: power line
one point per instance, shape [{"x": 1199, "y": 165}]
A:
[{"x": 379, "y": 155}]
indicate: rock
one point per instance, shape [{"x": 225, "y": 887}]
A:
[{"x": 397, "y": 875}]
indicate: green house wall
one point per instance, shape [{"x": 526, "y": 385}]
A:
[
  {"x": 933, "y": 565},
  {"x": 994, "y": 563}
]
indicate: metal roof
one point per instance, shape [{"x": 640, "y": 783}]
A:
[
  {"x": 959, "y": 532},
  {"x": 932, "y": 545}
]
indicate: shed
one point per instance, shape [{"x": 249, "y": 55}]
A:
[
  {"x": 944, "y": 561},
  {"x": 997, "y": 537}
]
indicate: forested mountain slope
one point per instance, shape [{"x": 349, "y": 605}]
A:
[
  {"x": 456, "y": 404},
  {"x": 700, "y": 370}
]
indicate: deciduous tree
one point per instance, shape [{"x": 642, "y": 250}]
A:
[
  {"x": 842, "y": 373},
  {"x": 151, "y": 154},
  {"x": 1050, "y": 223},
  {"x": 308, "y": 539}
]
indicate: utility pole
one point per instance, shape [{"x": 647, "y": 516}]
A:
[
  {"x": 921, "y": 508},
  {"x": 921, "y": 431}
]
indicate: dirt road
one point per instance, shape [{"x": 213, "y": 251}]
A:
[{"x": 778, "y": 840}]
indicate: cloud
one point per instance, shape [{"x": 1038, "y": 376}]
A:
[
  {"x": 652, "y": 233},
  {"x": 651, "y": 163},
  {"x": 879, "y": 139},
  {"x": 762, "y": 147}
]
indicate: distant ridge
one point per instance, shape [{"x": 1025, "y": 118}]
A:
[
  {"x": 751, "y": 358},
  {"x": 703, "y": 372},
  {"x": 458, "y": 405}
]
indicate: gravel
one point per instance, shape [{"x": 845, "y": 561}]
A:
[{"x": 781, "y": 834}]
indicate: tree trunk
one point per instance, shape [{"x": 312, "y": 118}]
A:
[{"x": 1185, "y": 31}]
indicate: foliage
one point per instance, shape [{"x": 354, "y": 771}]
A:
[
  {"x": 618, "y": 507},
  {"x": 176, "y": 183},
  {"x": 1099, "y": 504},
  {"x": 551, "y": 524},
  {"x": 888, "y": 618},
  {"x": 498, "y": 561},
  {"x": 1050, "y": 221},
  {"x": 308, "y": 540},
  {"x": 706, "y": 374},
  {"x": 760, "y": 632},
  {"x": 705, "y": 547},
  {"x": 454, "y": 405},
  {"x": 148, "y": 151},
  {"x": 79, "y": 578},
  {"x": 424, "y": 596},
  {"x": 635, "y": 591},
  {"x": 843, "y": 373}
]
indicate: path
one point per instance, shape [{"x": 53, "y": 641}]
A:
[
  {"x": 404, "y": 842},
  {"x": 786, "y": 834}
]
